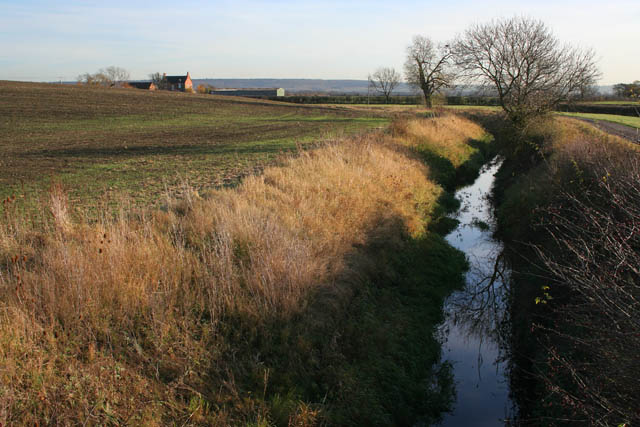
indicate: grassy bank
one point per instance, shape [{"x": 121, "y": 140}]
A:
[
  {"x": 570, "y": 225},
  {"x": 309, "y": 294},
  {"x": 451, "y": 164}
]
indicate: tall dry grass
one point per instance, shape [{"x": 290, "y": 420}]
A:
[
  {"x": 135, "y": 320},
  {"x": 447, "y": 136}
]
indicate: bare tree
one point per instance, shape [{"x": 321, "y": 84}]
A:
[
  {"x": 526, "y": 64},
  {"x": 427, "y": 67},
  {"x": 593, "y": 257},
  {"x": 159, "y": 80},
  {"x": 96, "y": 79},
  {"x": 89, "y": 79},
  {"x": 385, "y": 80},
  {"x": 110, "y": 76},
  {"x": 115, "y": 75}
]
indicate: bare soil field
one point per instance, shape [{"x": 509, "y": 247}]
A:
[{"x": 99, "y": 143}]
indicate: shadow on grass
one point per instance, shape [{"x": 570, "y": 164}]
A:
[
  {"x": 447, "y": 175},
  {"x": 366, "y": 347},
  {"x": 451, "y": 178}
]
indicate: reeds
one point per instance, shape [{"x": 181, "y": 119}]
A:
[{"x": 447, "y": 136}]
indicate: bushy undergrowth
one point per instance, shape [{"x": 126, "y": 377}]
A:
[
  {"x": 307, "y": 295},
  {"x": 572, "y": 227}
]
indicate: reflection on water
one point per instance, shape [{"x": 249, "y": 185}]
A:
[{"x": 476, "y": 314}]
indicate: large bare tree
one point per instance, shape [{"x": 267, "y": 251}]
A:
[
  {"x": 384, "y": 81},
  {"x": 427, "y": 67},
  {"x": 110, "y": 76},
  {"x": 115, "y": 75},
  {"x": 159, "y": 80},
  {"x": 526, "y": 64}
]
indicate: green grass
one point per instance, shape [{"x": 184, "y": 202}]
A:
[
  {"x": 614, "y": 103},
  {"x": 473, "y": 107},
  {"x": 623, "y": 120},
  {"x": 380, "y": 106},
  {"x": 102, "y": 144}
]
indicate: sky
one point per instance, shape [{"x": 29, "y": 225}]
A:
[{"x": 42, "y": 40}]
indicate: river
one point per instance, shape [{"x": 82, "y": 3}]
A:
[{"x": 475, "y": 314}]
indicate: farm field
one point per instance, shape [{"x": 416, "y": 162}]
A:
[
  {"x": 101, "y": 144},
  {"x": 260, "y": 304},
  {"x": 408, "y": 109},
  {"x": 623, "y": 120},
  {"x": 473, "y": 107},
  {"x": 378, "y": 107},
  {"x": 615, "y": 103},
  {"x": 385, "y": 110}
]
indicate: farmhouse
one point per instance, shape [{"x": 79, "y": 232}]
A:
[
  {"x": 251, "y": 93},
  {"x": 143, "y": 85},
  {"x": 179, "y": 83}
]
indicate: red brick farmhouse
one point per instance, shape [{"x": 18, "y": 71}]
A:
[{"x": 179, "y": 83}]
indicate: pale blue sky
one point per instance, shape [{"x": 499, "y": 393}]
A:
[{"x": 50, "y": 40}]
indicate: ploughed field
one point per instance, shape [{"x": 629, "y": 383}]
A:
[{"x": 99, "y": 143}]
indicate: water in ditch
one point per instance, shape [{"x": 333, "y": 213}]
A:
[{"x": 475, "y": 315}]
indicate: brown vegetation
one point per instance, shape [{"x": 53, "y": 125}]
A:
[
  {"x": 573, "y": 234},
  {"x": 158, "y": 316},
  {"x": 593, "y": 260},
  {"x": 442, "y": 136}
]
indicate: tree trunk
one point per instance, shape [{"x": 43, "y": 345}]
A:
[{"x": 427, "y": 100}]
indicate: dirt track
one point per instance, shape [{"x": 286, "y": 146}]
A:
[{"x": 628, "y": 132}]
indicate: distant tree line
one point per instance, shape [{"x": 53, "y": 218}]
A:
[
  {"x": 619, "y": 110},
  {"x": 348, "y": 99},
  {"x": 628, "y": 90},
  {"x": 393, "y": 99}
]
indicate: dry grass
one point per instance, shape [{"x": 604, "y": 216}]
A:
[
  {"x": 447, "y": 136},
  {"x": 571, "y": 131},
  {"x": 135, "y": 320}
]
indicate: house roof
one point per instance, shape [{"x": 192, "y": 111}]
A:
[
  {"x": 176, "y": 79},
  {"x": 141, "y": 85}
]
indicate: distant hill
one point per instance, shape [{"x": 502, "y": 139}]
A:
[
  {"x": 351, "y": 87},
  {"x": 300, "y": 85},
  {"x": 605, "y": 90}
]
